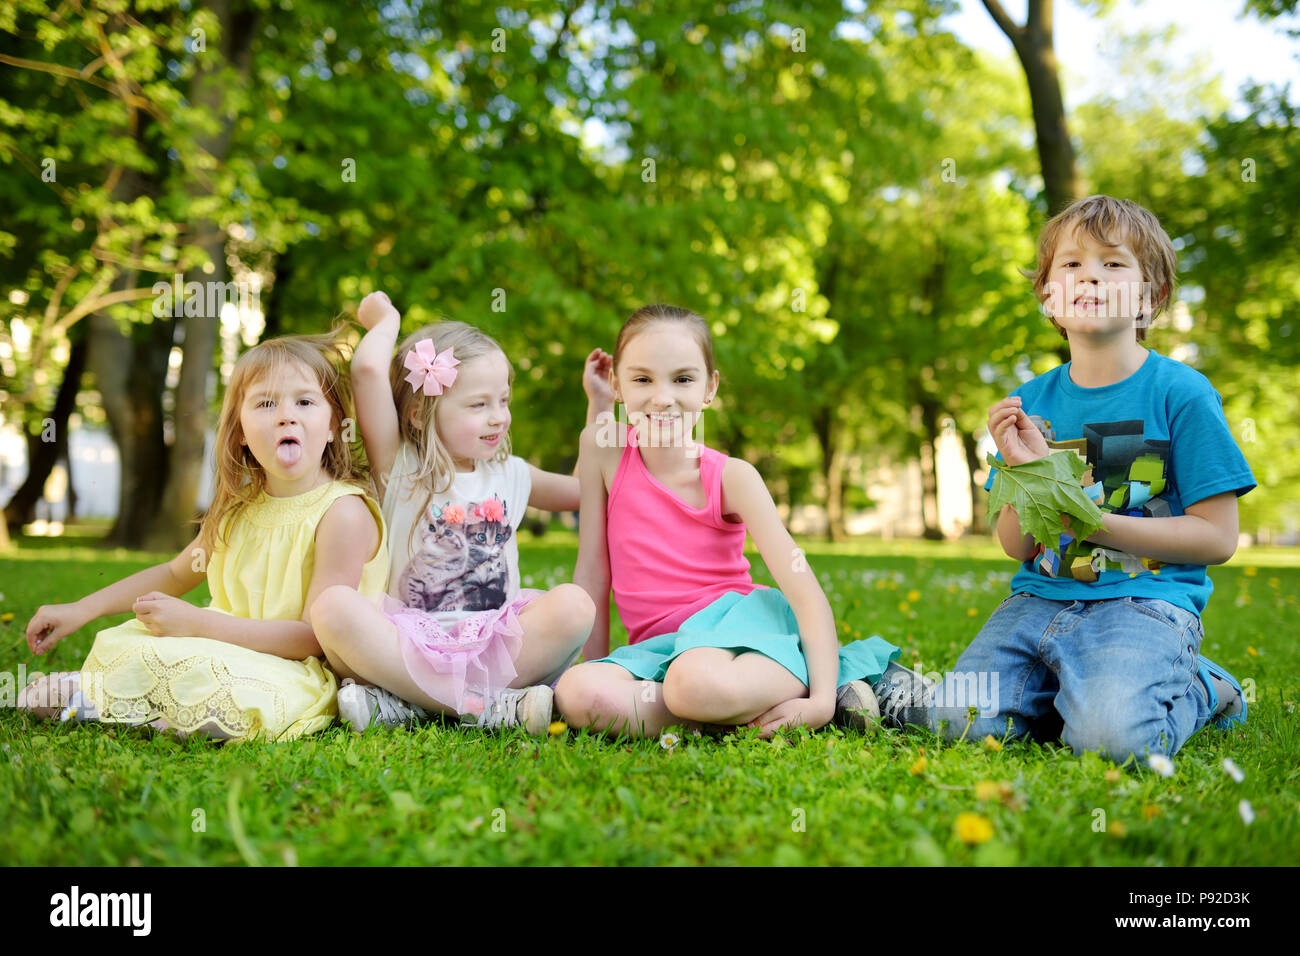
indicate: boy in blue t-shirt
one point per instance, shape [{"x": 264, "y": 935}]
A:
[{"x": 1099, "y": 642}]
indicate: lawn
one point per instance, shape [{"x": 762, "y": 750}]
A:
[{"x": 96, "y": 795}]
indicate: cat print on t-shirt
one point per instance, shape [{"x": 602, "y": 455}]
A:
[{"x": 460, "y": 564}]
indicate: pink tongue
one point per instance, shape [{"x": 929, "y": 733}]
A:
[{"x": 288, "y": 453}]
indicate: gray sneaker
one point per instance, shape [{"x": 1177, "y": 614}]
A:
[
  {"x": 902, "y": 696},
  {"x": 855, "y": 706},
  {"x": 529, "y": 707},
  {"x": 364, "y": 706}
]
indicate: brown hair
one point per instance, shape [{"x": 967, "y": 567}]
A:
[
  {"x": 240, "y": 478},
  {"x": 417, "y": 412},
  {"x": 649, "y": 315},
  {"x": 1111, "y": 222}
]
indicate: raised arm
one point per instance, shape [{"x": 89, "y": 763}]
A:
[
  {"x": 1019, "y": 441},
  {"x": 745, "y": 494},
  {"x": 376, "y": 413},
  {"x": 53, "y": 622},
  {"x": 592, "y": 570}
]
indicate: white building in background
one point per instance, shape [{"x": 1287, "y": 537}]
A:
[{"x": 96, "y": 474}]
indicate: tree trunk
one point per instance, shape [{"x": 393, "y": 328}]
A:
[
  {"x": 823, "y": 419},
  {"x": 929, "y": 469},
  {"x": 1033, "y": 45},
  {"x": 130, "y": 372},
  {"x": 42, "y": 454},
  {"x": 176, "y": 516},
  {"x": 978, "y": 508}
]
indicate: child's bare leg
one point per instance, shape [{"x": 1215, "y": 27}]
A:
[
  {"x": 606, "y": 697},
  {"x": 361, "y": 643},
  {"x": 716, "y": 686},
  {"x": 49, "y": 695},
  {"x": 556, "y": 625}
]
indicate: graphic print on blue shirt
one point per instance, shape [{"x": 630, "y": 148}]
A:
[
  {"x": 1156, "y": 442},
  {"x": 460, "y": 564},
  {"x": 1131, "y": 473}
]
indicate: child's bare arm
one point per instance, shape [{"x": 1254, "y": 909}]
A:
[
  {"x": 53, "y": 622},
  {"x": 376, "y": 413},
  {"x": 745, "y": 494},
  {"x": 1014, "y": 542},
  {"x": 592, "y": 570},
  {"x": 1206, "y": 533},
  {"x": 553, "y": 492},
  {"x": 346, "y": 539}
]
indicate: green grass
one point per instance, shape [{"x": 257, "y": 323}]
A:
[{"x": 438, "y": 795}]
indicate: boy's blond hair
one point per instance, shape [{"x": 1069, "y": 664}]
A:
[{"x": 1111, "y": 222}]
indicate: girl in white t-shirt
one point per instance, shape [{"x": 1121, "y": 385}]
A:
[{"x": 455, "y": 633}]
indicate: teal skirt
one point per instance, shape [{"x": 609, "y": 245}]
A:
[{"x": 760, "y": 621}]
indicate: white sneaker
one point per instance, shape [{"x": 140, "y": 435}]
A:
[
  {"x": 364, "y": 706},
  {"x": 529, "y": 707},
  {"x": 855, "y": 705}
]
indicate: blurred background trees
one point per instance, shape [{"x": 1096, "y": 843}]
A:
[{"x": 846, "y": 194}]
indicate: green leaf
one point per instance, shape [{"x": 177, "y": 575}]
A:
[{"x": 1040, "y": 492}]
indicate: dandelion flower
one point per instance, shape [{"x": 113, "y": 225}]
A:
[
  {"x": 992, "y": 744},
  {"x": 987, "y": 790},
  {"x": 971, "y": 612},
  {"x": 1250, "y": 650},
  {"x": 1247, "y": 812},
  {"x": 557, "y": 728},
  {"x": 918, "y": 767},
  {"x": 1117, "y": 829},
  {"x": 1113, "y": 775},
  {"x": 1230, "y": 767},
  {"x": 1250, "y": 572},
  {"x": 1150, "y": 810},
  {"x": 973, "y": 829},
  {"x": 914, "y": 595},
  {"x": 669, "y": 741},
  {"x": 6, "y": 617},
  {"x": 1161, "y": 765}
]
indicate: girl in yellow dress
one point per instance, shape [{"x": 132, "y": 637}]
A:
[{"x": 289, "y": 518}]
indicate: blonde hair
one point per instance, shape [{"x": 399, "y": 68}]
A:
[
  {"x": 240, "y": 478},
  {"x": 417, "y": 413},
  {"x": 649, "y": 315},
  {"x": 1111, "y": 222}
]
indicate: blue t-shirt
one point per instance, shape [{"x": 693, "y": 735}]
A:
[{"x": 1157, "y": 441}]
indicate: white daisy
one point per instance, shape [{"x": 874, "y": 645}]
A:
[{"x": 1161, "y": 765}]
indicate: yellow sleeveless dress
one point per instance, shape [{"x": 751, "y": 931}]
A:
[{"x": 262, "y": 571}]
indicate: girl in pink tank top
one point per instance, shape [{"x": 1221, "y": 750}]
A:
[{"x": 663, "y": 522}]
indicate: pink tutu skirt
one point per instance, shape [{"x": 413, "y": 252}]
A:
[{"x": 463, "y": 663}]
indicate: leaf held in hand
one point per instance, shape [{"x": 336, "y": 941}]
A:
[{"x": 1040, "y": 492}]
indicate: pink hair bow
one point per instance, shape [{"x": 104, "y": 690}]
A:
[{"x": 431, "y": 369}]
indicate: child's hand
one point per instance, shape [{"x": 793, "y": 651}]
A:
[
  {"x": 52, "y": 623},
  {"x": 374, "y": 309},
  {"x": 792, "y": 713},
  {"x": 167, "y": 616},
  {"x": 1017, "y": 438},
  {"x": 595, "y": 379}
]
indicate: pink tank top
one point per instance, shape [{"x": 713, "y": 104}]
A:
[{"x": 668, "y": 560}]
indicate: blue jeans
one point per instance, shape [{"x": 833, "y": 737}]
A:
[{"x": 1118, "y": 677}]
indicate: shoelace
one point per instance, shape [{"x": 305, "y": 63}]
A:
[
  {"x": 389, "y": 708},
  {"x": 896, "y": 692},
  {"x": 501, "y": 711}
]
